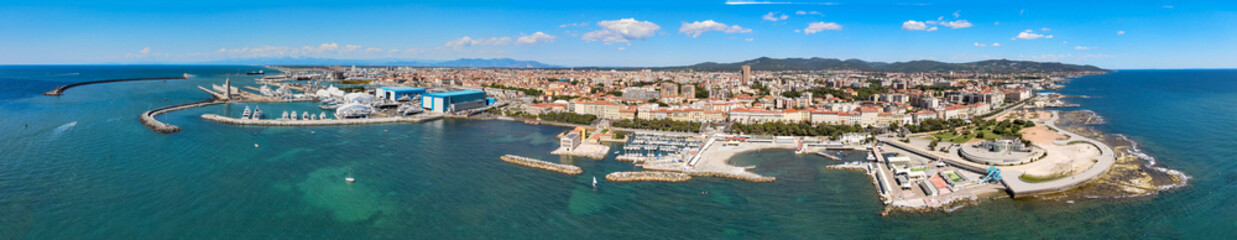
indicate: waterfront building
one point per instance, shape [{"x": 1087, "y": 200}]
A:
[
  {"x": 396, "y": 93},
  {"x": 455, "y": 101},
  {"x": 639, "y": 94}
]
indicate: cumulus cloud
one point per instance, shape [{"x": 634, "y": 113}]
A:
[
  {"x": 694, "y": 29},
  {"x": 1120, "y": 32},
  {"x": 324, "y": 50},
  {"x": 996, "y": 44},
  {"x": 774, "y": 17},
  {"x": 622, "y": 31},
  {"x": 821, "y": 26},
  {"x": 145, "y": 51},
  {"x": 349, "y": 48},
  {"x": 535, "y": 38},
  {"x": 977, "y": 44},
  {"x": 1030, "y": 35},
  {"x": 467, "y": 41},
  {"x": 912, "y": 25}
]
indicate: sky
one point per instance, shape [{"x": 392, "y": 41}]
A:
[{"x": 1120, "y": 34}]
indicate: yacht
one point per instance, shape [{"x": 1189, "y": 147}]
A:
[
  {"x": 285, "y": 115},
  {"x": 257, "y": 113},
  {"x": 247, "y": 113}
]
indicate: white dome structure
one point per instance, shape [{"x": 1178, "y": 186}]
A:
[
  {"x": 353, "y": 110},
  {"x": 358, "y": 98}
]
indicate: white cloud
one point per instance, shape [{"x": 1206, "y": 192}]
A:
[
  {"x": 1168, "y": 6},
  {"x": 145, "y": 51},
  {"x": 912, "y": 25},
  {"x": 579, "y": 24},
  {"x": 996, "y": 23},
  {"x": 957, "y": 14},
  {"x": 537, "y": 37},
  {"x": 957, "y": 24},
  {"x": 467, "y": 41},
  {"x": 373, "y": 50},
  {"x": 1045, "y": 29},
  {"x": 349, "y": 48},
  {"x": 1029, "y": 35},
  {"x": 977, "y": 44},
  {"x": 996, "y": 44},
  {"x": 774, "y": 17},
  {"x": 1083, "y": 48},
  {"x": 821, "y": 26},
  {"x": 622, "y": 31},
  {"x": 1120, "y": 32},
  {"x": 694, "y": 29},
  {"x": 749, "y": 39},
  {"x": 801, "y": 12},
  {"x": 738, "y": 2}
]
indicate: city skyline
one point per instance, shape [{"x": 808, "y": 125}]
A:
[{"x": 1141, "y": 34}]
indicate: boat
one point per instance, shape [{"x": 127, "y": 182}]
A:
[
  {"x": 293, "y": 115},
  {"x": 259, "y": 72},
  {"x": 871, "y": 157},
  {"x": 594, "y": 181},
  {"x": 322, "y": 116},
  {"x": 305, "y": 116},
  {"x": 247, "y": 112},
  {"x": 285, "y": 115},
  {"x": 257, "y": 113},
  {"x": 349, "y": 179}
]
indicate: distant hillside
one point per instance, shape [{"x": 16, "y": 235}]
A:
[
  {"x": 463, "y": 62},
  {"x": 990, "y": 66},
  {"x": 492, "y": 63}
]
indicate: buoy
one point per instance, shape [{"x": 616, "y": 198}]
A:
[{"x": 255, "y": 145}]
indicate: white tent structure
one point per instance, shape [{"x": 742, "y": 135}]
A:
[
  {"x": 353, "y": 110},
  {"x": 330, "y": 92},
  {"x": 358, "y": 98}
]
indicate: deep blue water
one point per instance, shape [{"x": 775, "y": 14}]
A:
[{"x": 108, "y": 177}]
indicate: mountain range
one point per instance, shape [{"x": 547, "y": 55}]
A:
[
  {"x": 988, "y": 66},
  {"x": 762, "y": 64}
]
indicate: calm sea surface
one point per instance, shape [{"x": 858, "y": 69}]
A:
[{"x": 81, "y": 166}]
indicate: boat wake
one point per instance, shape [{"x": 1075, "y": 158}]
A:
[{"x": 62, "y": 128}]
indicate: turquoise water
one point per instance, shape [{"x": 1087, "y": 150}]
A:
[{"x": 108, "y": 177}]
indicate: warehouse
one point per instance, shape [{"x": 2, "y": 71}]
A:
[
  {"x": 397, "y": 93},
  {"x": 455, "y": 101}
]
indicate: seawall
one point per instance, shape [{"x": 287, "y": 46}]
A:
[
  {"x": 543, "y": 165},
  {"x": 648, "y": 177},
  {"x": 148, "y": 118},
  {"x": 60, "y": 90}
]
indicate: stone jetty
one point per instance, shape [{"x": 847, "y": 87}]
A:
[
  {"x": 60, "y": 90},
  {"x": 648, "y": 177},
  {"x": 148, "y": 117},
  {"x": 750, "y": 177},
  {"x": 543, "y": 165}
]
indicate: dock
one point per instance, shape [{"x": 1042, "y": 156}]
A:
[
  {"x": 543, "y": 165},
  {"x": 60, "y": 89},
  {"x": 648, "y": 177},
  {"x": 321, "y": 122}
]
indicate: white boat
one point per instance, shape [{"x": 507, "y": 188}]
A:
[
  {"x": 247, "y": 112},
  {"x": 305, "y": 116},
  {"x": 871, "y": 157},
  {"x": 594, "y": 181},
  {"x": 285, "y": 115},
  {"x": 257, "y": 113},
  {"x": 293, "y": 115},
  {"x": 349, "y": 179},
  {"x": 322, "y": 116}
]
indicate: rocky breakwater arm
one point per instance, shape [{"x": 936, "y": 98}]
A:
[
  {"x": 148, "y": 117},
  {"x": 543, "y": 165},
  {"x": 648, "y": 177},
  {"x": 750, "y": 177}
]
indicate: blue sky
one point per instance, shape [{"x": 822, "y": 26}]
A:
[{"x": 1124, "y": 34}]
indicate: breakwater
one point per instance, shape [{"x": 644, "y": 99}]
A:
[
  {"x": 321, "y": 122},
  {"x": 648, "y": 177},
  {"x": 148, "y": 118},
  {"x": 543, "y": 165},
  {"x": 60, "y": 90},
  {"x": 744, "y": 177}
]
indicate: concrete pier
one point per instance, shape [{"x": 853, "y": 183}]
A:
[
  {"x": 321, "y": 122},
  {"x": 60, "y": 90},
  {"x": 543, "y": 165}
]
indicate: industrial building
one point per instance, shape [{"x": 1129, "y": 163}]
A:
[
  {"x": 455, "y": 101},
  {"x": 397, "y": 93}
]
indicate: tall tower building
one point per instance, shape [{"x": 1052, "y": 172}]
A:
[
  {"x": 227, "y": 88},
  {"x": 747, "y": 73}
]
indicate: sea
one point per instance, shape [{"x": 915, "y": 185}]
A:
[{"x": 81, "y": 166}]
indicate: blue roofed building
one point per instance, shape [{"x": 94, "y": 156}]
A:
[
  {"x": 454, "y": 101},
  {"x": 396, "y": 93}
]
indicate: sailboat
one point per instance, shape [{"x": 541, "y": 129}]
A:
[
  {"x": 349, "y": 178},
  {"x": 594, "y": 181}
]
